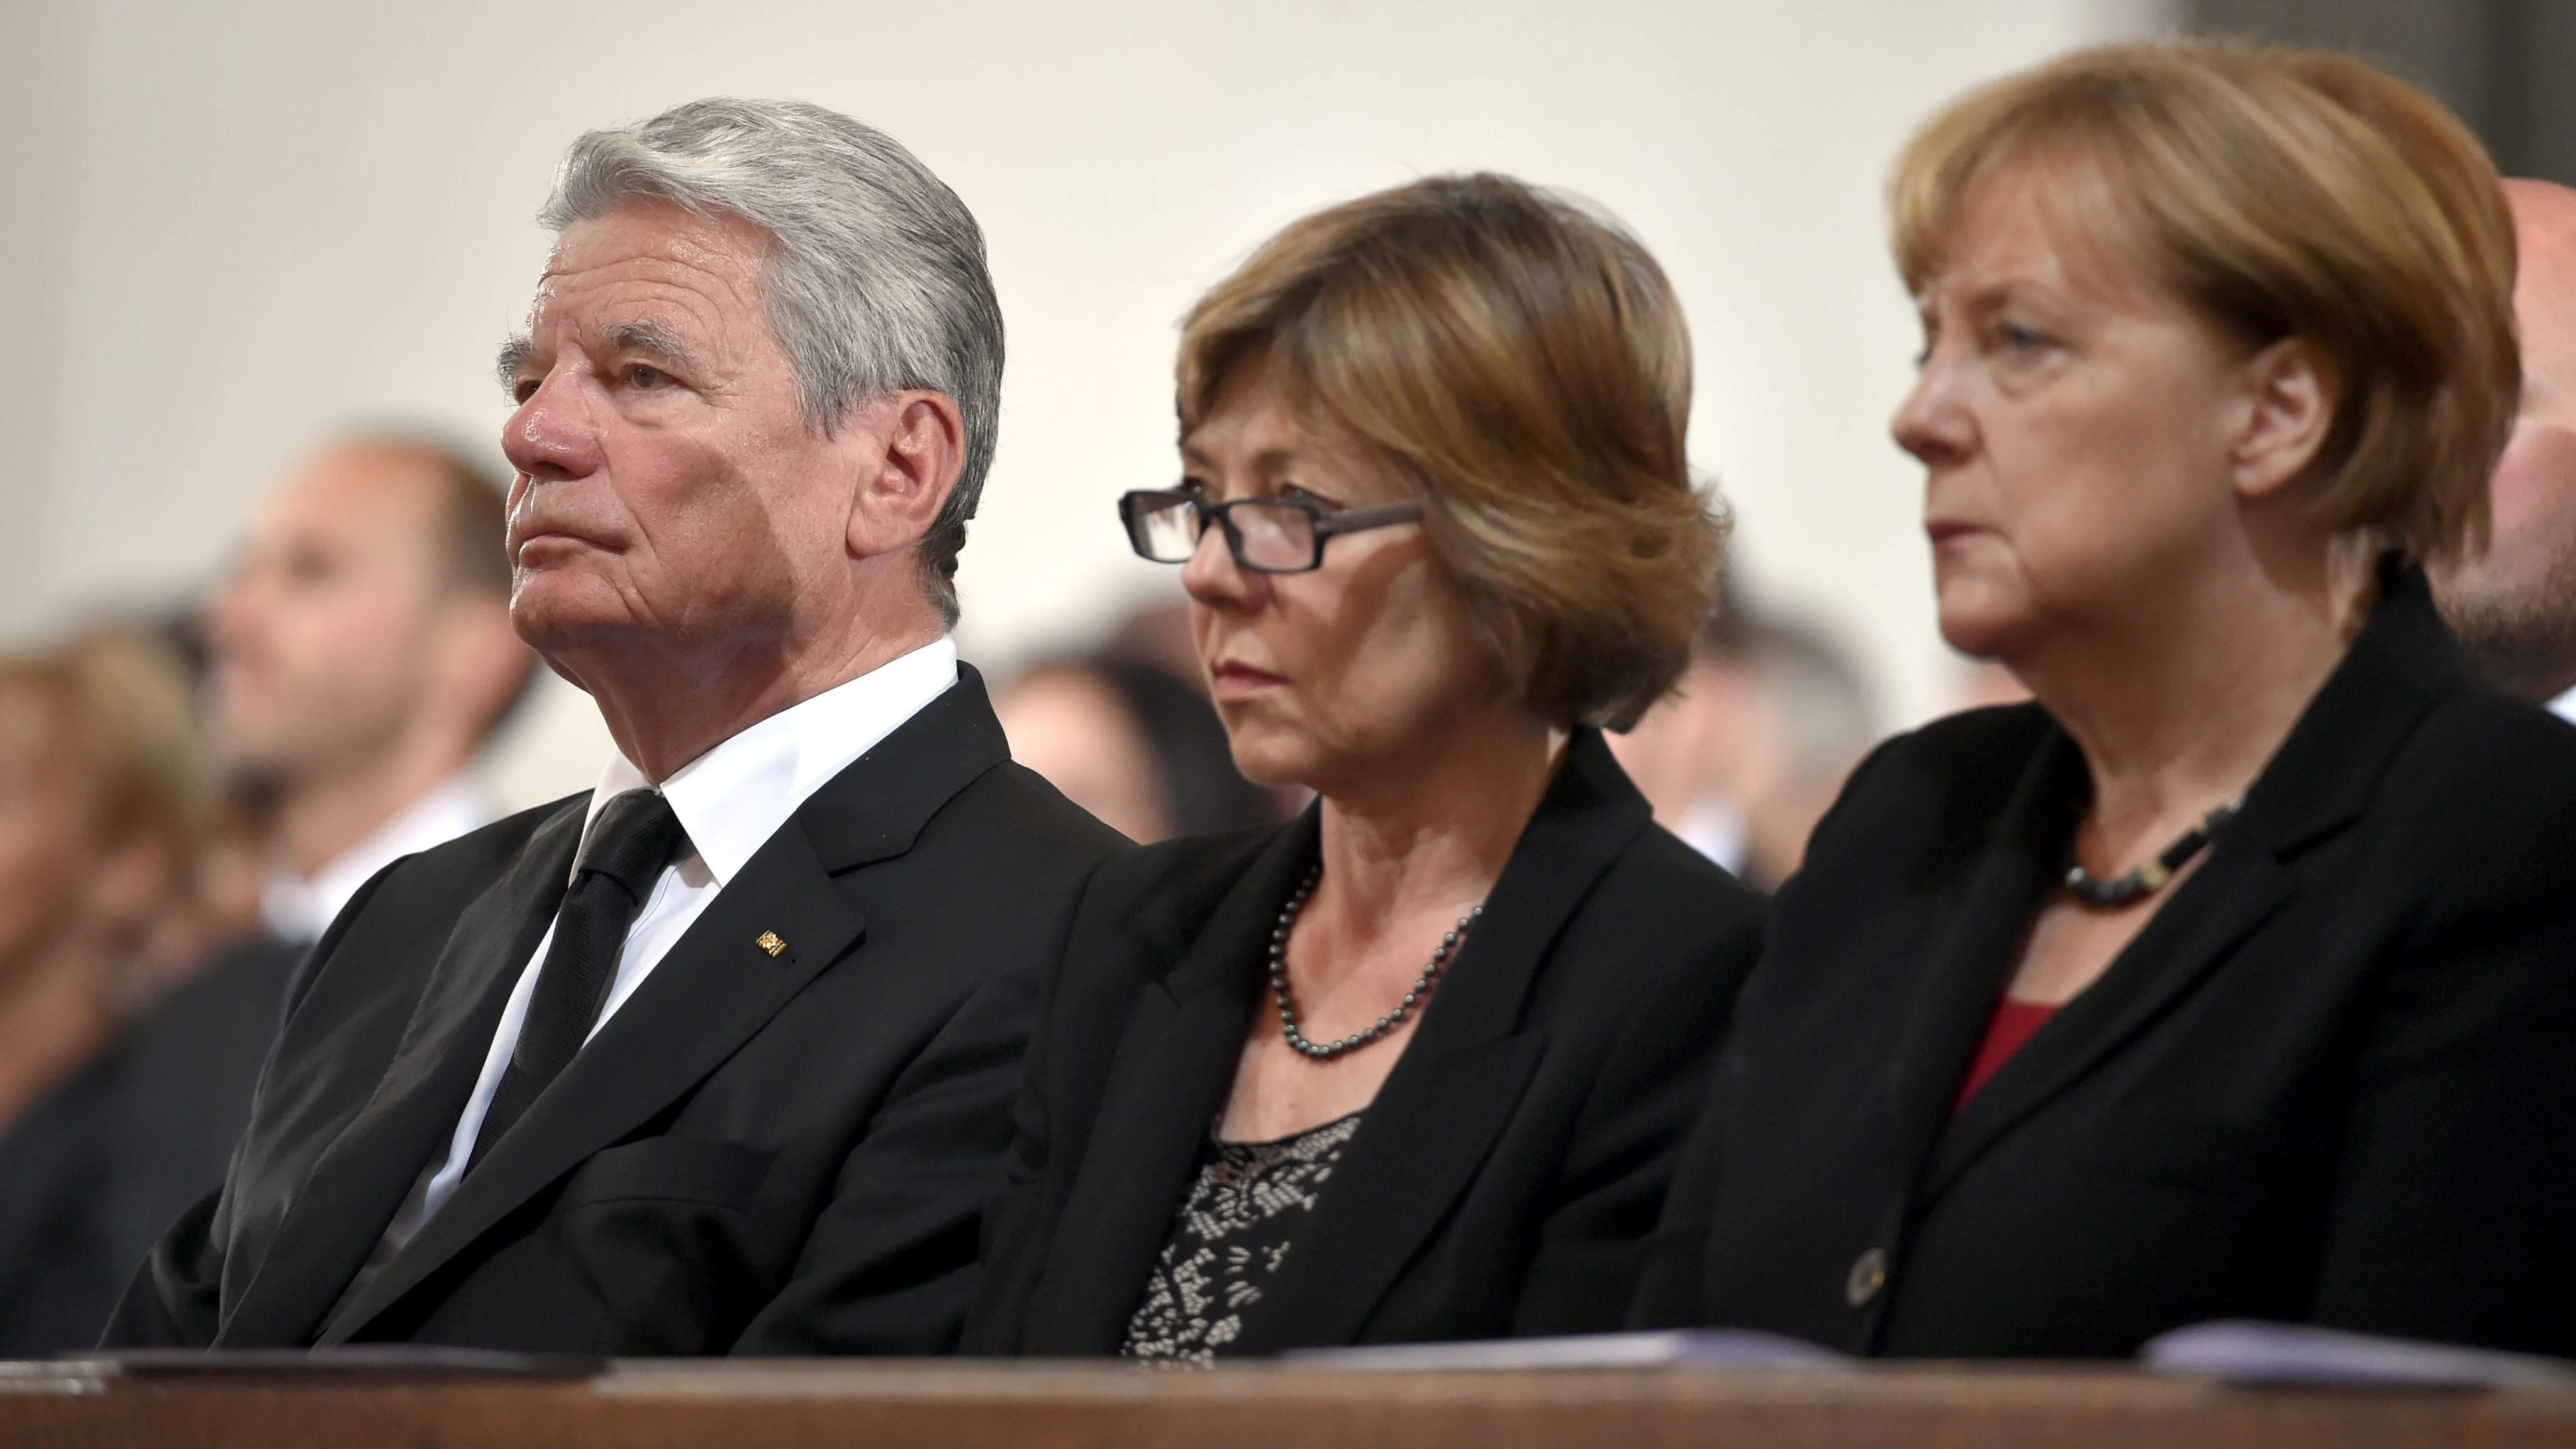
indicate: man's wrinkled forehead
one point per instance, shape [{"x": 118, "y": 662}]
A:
[{"x": 652, "y": 261}]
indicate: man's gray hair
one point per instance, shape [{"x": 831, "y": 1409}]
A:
[{"x": 877, "y": 283}]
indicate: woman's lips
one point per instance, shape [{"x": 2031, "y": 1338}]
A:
[{"x": 1240, "y": 681}]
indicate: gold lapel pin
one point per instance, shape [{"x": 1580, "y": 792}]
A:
[{"x": 770, "y": 942}]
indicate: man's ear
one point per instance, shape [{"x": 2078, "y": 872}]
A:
[
  {"x": 909, "y": 449},
  {"x": 2290, "y": 393}
]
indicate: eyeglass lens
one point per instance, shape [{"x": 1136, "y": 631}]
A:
[
  {"x": 1167, "y": 533},
  {"x": 1276, "y": 534}
]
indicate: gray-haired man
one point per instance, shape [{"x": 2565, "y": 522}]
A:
[{"x": 719, "y": 1057}]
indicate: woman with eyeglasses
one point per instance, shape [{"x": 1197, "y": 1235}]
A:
[{"x": 1415, "y": 1065}]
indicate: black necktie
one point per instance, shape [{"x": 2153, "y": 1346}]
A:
[{"x": 621, "y": 857}]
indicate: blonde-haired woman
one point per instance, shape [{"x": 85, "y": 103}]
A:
[
  {"x": 105, "y": 811},
  {"x": 2235, "y": 977},
  {"x": 1415, "y": 1065}
]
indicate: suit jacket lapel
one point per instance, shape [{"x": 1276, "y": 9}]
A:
[
  {"x": 2213, "y": 911},
  {"x": 1174, "y": 1067},
  {"x": 1967, "y": 967},
  {"x": 359, "y": 1181},
  {"x": 718, "y": 986},
  {"x": 2319, "y": 781},
  {"x": 1449, "y": 1097},
  {"x": 705, "y": 999}
]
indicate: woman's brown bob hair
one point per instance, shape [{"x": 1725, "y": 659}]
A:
[
  {"x": 114, "y": 713},
  {"x": 2283, "y": 193},
  {"x": 1523, "y": 361}
]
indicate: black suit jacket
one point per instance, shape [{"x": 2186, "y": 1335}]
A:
[
  {"x": 92, "y": 1174},
  {"x": 1510, "y": 1168},
  {"x": 755, "y": 1154},
  {"x": 2332, "y": 1081}
]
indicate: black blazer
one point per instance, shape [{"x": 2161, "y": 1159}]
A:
[
  {"x": 1510, "y": 1168},
  {"x": 2332, "y": 1081},
  {"x": 755, "y": 1154},
  {"x": 98, "y": 1169}
]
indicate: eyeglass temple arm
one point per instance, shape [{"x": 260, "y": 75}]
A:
[{"x": 1352, "y": 520}]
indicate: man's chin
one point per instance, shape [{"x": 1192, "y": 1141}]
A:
[{"x": 558, "y": 620}]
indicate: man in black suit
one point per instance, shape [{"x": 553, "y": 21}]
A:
[{"x": 720, "y": 1057}]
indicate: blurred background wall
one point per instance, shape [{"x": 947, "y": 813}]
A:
[
  {"x": 236, "y": 230},
  {"x": 2508, "y": 67}
]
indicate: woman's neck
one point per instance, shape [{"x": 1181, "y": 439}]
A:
[
  {"x": 1431, "y": 832},
  {"x": 2178, "y": 711},
  {"x": 53, "y": 1018}
]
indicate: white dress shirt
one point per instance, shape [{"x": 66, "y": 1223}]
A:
[
  {"x": 301, "y": 910},
  {"x": 2564, "y": 706},
  {"x": 730, "y": 800}
]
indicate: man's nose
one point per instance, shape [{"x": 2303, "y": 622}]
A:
[
  {"x": 551, "y": 436},
  {"x": 233, "y": 619},
  {"x": 229, "y": 611},
  {"x": 218, "y": 623}
]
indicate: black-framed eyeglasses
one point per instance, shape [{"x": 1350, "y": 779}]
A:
[{"x": 1265, "y": 535}]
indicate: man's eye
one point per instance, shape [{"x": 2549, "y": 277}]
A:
[
  {"x": 646, "y": 378},
  {"x": 2019, "y": 338},
  {"x": 524, "y": 389}
]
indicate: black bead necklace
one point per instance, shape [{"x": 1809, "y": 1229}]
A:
[
  {"x": 1389, "y": 1022},
  {"x": 2121, "y": 890}
]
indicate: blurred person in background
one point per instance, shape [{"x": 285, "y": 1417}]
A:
[
  {"x": 1750, "y": 748},
  {"x": 2230, "y": 978},
  {"x": 1131, "y": 744},
  {"x": 1815, "y": 721},
  {"x": 2514, "y": 606},
  {"x": 362, "y": 656},
  {"x": 105, "y": 806},
  {"x": 1413, "y": 1065},
  {"x": 1160, "y": 635}
]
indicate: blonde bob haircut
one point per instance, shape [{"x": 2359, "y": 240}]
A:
[
  {"x": 1522, "y": 361},
  {"x": 2282, "y": 193},
  {"x": 113, "y": 711}
]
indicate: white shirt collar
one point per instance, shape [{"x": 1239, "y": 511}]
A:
[
  {"x": 301, "y": 910},
  {"x": 735, "y": 796},
  {"x": 2564, "y": 706}
]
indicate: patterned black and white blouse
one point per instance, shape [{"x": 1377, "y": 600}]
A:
[{"x": 1227, "y": 1240}]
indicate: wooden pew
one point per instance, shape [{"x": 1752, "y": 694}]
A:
[{"x": 960, "y": 1405}]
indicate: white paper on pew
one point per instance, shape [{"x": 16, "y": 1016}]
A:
[
  {"x": 2242, "y": 1351},
  {"x": 1693, "y": 1348}
]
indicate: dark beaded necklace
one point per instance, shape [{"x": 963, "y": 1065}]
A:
[
  {"x": 1288, "y": 1009},
  {"x": 2121, "y": 890}
]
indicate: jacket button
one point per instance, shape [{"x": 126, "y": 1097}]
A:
[{"x": 1868, "y": 1275}]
